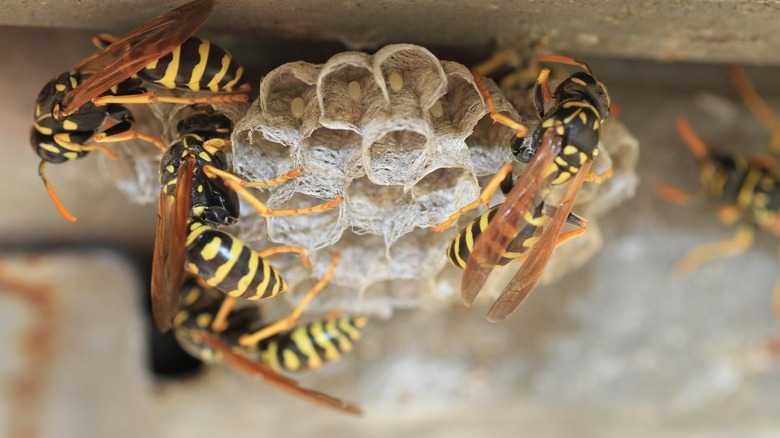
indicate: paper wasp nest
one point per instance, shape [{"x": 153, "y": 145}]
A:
[{"x": 405, "y": 139}]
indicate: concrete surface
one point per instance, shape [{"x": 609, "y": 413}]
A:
[
  {"x": 619, "y": 348},
  {"x": 712, "y": 30}
]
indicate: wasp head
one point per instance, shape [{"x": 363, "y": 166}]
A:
[{"x": 584, "y": 85}]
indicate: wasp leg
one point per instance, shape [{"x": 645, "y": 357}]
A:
[
  {"x": 756, "y": 105},
  {"x": 63, "y": 139},
  {"x": 600, "y": 178},
  {"x": 484, "y": 197},
  {"x": 237, "y": 184},
  {"x": 495, "y": 62},
  {"x": 289, "y": 321},
  {"x": 521, "y": 129},
  {"x": 582, "y": 226},
  {"x": 53, "y": 195},
  {"x": 123, "y": 130},
  {"x": 676, "y": 195},
  {"x": 713, "y": 250},
  {"x": 146, "y": 98},
  {"x": 689, "y": 136},
  {"x": 280, "y": 249}
]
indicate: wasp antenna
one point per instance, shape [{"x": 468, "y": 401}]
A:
[
  {"x": 564, "y": 60},
  {"x": 53, "y": 195}
]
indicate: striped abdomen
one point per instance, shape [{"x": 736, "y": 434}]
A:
[
  {"x": 226, "y": 263},
  {"x": 461, "y": 246},
  {"x": 198, "y": 65},
  {"x": 309, "y": 346}
]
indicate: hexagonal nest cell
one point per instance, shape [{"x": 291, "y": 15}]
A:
[{"x": 406, "y": 139}]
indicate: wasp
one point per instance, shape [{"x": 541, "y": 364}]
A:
[
  {"x": 748, "y": 187},
  {"x": 87, "y": 102},
  {"x": 527, "y": 224},
  {"x": 304, "y": 347},
  {"x": 198, "y": 195}
]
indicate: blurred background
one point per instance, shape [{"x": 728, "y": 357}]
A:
[{"x": 620, "y": 346}]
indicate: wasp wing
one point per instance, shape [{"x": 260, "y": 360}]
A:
[
  {"x": 528, "y": 275},
  {"x": 510, "y": 217},
  {"x": 264, "y": 372},
  {"x": 170, "y": 247},
  {"x": 135, "y": 51}
]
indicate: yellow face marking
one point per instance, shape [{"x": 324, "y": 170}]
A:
[
  {"x": 577, "y": 104},
  {"x": 70, "y": 126},
  {"x": 204, "y": 156},
  {"x": 73, "y": 82},
  {"x": 180, "y": 317},
  {"x": 37, "y": 110},
  {"x": 578, "y": 81},
  {"x": 200, "y": 67},
  {"x": 59, "y": 87},
  {"x": 169, "y": 79},
  {"x": 213, "y": 85}
]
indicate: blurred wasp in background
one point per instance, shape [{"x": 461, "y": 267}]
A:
[
  {"x": 88, "y": 101},
  {"x": 748, "y": 187},
  {"x": 528, "y": 223}
]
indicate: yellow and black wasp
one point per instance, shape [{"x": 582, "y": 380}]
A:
[
  {"x": 198, "y": 195},
  {"x": 748, "y": 187},
  {"x": 304, "y": 347},
  {"x": 560, "y": 151},
  {"x": 75, "y": 106}
]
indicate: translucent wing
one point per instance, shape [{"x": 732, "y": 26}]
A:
[
  {"x": 510, "y": 218},
  {"x": 261, "y": 371},
  {"x": 170, "y": 247},
  {"x": 135, "y": 51},
  {"x": 528, "y": 275}
]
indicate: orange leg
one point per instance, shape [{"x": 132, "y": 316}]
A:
[
  {"x": 289, "y": 321},
  {"x": 129, "y": 135},
  {"x": 239, "y": 185},
  {"x": 756, "y": 105},
  {"x": 694, "y": 142},
  {"x": 63, "y": 140},
  {"x": 521, "y": 129},
  {"x": 713, "y": 250},
  {"x": 53, "y": 195},
  {"x": 600, "y": 178},
  {"x": 484, "y": 197}
]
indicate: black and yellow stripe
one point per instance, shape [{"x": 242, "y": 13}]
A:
[
  {"x": 309, "y": 346},
  {"x": 226, "y": 263},
  {"x": 197, "y": 65},
  {"x": 461, "y": 246}
]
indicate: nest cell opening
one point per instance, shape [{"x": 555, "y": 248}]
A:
[
  {"x": 397, "y": 157},
  {"x": 344, "y": 94}
]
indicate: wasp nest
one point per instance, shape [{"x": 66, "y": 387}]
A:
[{"x": 403, "y": 137}]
